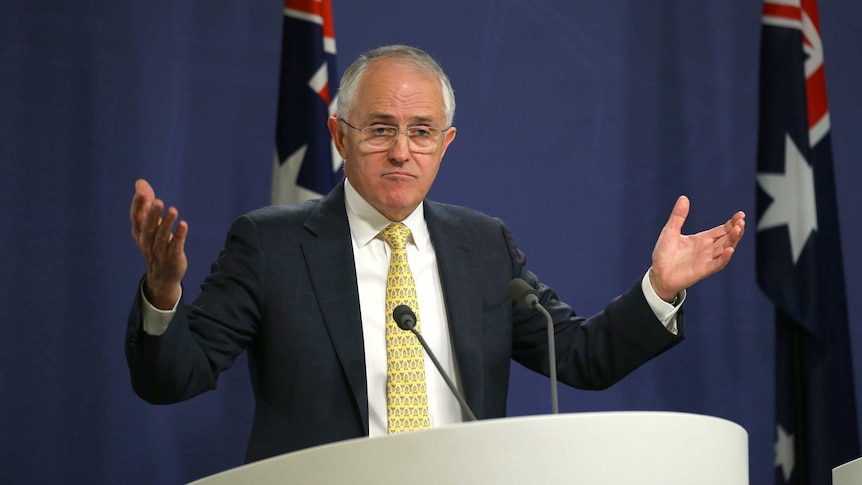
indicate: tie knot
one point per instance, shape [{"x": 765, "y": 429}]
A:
[{"x": 396, "y": 235}]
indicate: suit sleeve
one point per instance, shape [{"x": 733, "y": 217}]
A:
[
  {"x": 593, "y": 352},
  {"x": 204, "y": 338}
]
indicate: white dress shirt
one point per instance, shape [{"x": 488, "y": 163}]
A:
[{"x": 371, "y": 257}]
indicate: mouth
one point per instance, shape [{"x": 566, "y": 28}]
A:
[{"x": 399, "y": 175}]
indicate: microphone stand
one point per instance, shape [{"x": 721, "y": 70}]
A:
[
  {"x": 552, "y": 357},
  {"x": 461, "y": 401}
]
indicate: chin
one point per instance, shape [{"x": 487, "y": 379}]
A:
[{"x": 398, "y": 205}]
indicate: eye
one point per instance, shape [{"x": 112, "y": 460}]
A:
[
  {"x": 381, "y": 130},
  {"x": 418, "y": 131}
]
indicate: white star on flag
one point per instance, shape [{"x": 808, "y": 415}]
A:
[
  {"x": 793, "y": 203},
  {"x": 784, "y": 454}
]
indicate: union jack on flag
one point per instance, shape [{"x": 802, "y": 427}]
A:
[
  {"x": 306, "y": 164},
  {"x": 799, "y": 262}
]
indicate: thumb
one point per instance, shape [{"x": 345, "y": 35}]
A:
[
  {"x": 144, "y": 189},
  {"x": 678, "y": 215},
  {"x": 144, "y": 196}
]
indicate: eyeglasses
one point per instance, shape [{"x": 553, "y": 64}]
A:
[{"x": 420, "y": 139}]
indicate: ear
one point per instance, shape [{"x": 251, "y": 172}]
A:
[
  {"x": 450, "y": 136},
  {"x": 337, "y": 135}
]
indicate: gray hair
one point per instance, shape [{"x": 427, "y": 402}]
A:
[{"x": 415, "y": 58}]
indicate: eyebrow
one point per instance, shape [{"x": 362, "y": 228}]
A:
[{"x": 391, "y": 119}]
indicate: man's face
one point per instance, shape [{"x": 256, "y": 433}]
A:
[{"x": 393, "y": 181}]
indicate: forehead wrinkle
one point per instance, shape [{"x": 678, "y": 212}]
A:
[{"x": 392, "y": 119}]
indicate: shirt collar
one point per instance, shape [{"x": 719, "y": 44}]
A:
[{"x": 366, "y": 222}]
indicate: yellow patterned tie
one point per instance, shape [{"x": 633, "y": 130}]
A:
[{"x": 406, "y": 398}]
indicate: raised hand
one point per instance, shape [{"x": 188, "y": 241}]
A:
[
  {"x": 163, "y": 250},
  {"x": 679, "y": 261}
]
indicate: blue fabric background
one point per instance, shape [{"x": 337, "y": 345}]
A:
[{"x": 579, "y": 123}]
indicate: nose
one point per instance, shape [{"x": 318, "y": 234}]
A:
[{"x": 400, "y": 151}]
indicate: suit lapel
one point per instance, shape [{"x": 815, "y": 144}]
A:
[
  {"x": 329, "y": 258},
  {"x": 463, "y": 302}
]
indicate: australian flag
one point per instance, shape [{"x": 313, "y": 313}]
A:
[
  {"x": 306, "y": 164},
  {"x": 799, "y": 263}
]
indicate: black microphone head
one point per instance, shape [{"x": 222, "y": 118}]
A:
[
  {"x": 523, "y": 293},
  {"x": 404, "y": 317}
]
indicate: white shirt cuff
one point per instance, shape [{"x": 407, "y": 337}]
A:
[
  {"x": 664, "y": 311},
  {"x": 156, "y": 321}
]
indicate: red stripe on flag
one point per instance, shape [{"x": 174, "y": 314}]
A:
[
  {"x": 810, "y": 8},
  {"x": 308, "y": 6},
  {"x": 320, "y": 8},
  {"x": 328, "y": 24},
  {"x": 324, "y": 93},
  {"x": 815, "y": 87},
  {"x": 815, "y": 84},
  {"x": 782, "y": 11}
]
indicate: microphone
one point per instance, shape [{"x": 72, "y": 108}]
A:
[
  {"x": 523, "y": 293},
  {"x": 406, "y": 320}
]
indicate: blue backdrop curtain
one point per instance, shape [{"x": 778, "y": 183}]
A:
[{"x": 578, "y": 123}]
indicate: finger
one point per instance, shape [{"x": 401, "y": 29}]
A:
[
  {"x": 141, "y": 201},
  {"x": 151, "y": 224},
  {"x": 728, "y": 241},
  {"x": 163, "y": 234},
  {"x": 725, "y": 257},
  {"x": 733, "y": 221},
  {"x": 178, "y": 241},
  {"x": 727, "y": 229},
  {"x": 733, "y": 229},
  {"x": 678, "y": 214},
  {"x": 736, "y": 233}
]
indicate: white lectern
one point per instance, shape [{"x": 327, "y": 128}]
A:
[
  {"x": 647, "y": 448},
  {"x": 849, "y": 473}
]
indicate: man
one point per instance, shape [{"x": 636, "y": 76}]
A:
[{"x": 304, "y": 288}]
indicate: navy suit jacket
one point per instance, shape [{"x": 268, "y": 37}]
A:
[{"x": 284, "y": 289}]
